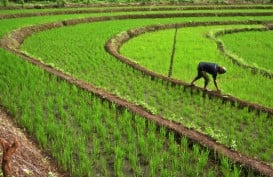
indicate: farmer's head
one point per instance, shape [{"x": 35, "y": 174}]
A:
[{"x": 222, "y": 70}]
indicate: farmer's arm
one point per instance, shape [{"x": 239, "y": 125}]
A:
[{"x": 215, "y": 83}]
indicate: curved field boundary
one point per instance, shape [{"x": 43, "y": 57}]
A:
[
  {"x": 113, "y": 45},
  {"x": 222, "y": 49},
  {"x": 183, "y": 14},
  {"x": 181, "y": 6},
  {"x": 19, "y": 35},
  {"x": 13, "y": 42}
]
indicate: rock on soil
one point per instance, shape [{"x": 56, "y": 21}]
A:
[{"x": 28, "y": 160}]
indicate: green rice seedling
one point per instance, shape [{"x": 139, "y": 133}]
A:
[
  {"x": 103, "y": 132},
  {"x": 185, "y": 157},
  {"x": 173, "y": 148},
  {"x": 164, "y": 173},
  {"x": 171, "y": 137},
  {"x": 133, "y": 160},
  {"x": 67, "y": 155},
  {"x": 39, "y": 133},
  {"x": 225, "y": 163},
  {"x": 152, "y": 167},
  {"x": 202, "y": 162},
  {"x": 84, "y": 167},
  {"x": 258, "y": 57},
  {"x": 196, "y": 150},
  {"x": 119, "y": 154},
  {"x": 62, "y": 122},
  {"x": 95, "y": 151},
  {"x": 117, "y": 135},
  {"x": 163, "y": 132},
  {"x": 210, "y": 53},
  {"x": 104, "y": 167},
  {"x": 131, "y": 136},
  {"x": 86, "y": 128},
  {"x": 176, "y": 166},
  {"x": 143, "y": 146},
  {"x": 236, "y": 171},
  {"x": 151, "y": 136}
]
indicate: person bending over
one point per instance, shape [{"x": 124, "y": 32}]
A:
[{"x": 211, "y": 68}]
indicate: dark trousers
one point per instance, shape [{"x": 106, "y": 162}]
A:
[{"x": 204, "y": 75}]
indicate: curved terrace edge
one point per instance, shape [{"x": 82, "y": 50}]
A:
[{"x": 16, "y": 38}]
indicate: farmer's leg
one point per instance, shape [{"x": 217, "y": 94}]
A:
[
  {"x": 206, "y": 77},
  {"x": 197, "y": 77}
]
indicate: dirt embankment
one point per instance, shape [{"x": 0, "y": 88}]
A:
[
  {"x": 183, "y": 10},
  {"x": 113, "y": 45},
  {"x": 13, "y": 42},
  {"x": 221, "y": 47}
]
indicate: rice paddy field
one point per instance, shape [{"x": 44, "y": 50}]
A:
[{"x": 93, "y": 86}]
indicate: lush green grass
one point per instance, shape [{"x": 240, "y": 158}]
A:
[
  {"x": 88, "y": 60},
  {"x": 254, "y": 48}
]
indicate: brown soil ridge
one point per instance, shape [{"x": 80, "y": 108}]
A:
[
  {"x": 182, "y": 14},
  {"x": 222, "y": 49},
  {"x": 246, "y": 162},
  {"x": 113, "y": 45},
  {"x": 154, "y": 5}
]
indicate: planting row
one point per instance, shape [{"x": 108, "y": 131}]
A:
[
  {"x": 187, "y": 57},
  {"x": 87, "y": 60},
  {"x": 89, "y": 136},
  {"x": 94, "y": 65},
  {"x": 127, "y": 8},
  {"x": 260, "y": 57}
]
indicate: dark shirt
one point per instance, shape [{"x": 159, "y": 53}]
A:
[{"x": 210, "y": 68}]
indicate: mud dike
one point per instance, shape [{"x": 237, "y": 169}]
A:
[{"x": 13, "y": 41}]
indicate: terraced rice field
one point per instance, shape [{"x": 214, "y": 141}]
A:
[{"x": 93, "y": 87}]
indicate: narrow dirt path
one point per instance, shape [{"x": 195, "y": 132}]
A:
[{"x": 28, "y": 160}]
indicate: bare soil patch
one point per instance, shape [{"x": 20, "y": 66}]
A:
[{"x": 28, "y": 160}]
